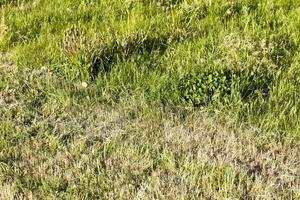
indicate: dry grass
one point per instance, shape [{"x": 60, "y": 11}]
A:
[{"x": 123, "y": 152}]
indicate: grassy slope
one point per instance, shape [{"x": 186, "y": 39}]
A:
[{"x": 130, "y": 133}]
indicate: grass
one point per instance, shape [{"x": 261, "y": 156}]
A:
[{"x": 149, "y": 99}]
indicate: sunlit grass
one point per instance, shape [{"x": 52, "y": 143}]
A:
[{"x": 127, "y": 98}]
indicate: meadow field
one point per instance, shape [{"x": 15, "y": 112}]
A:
[{"x": 150, "y": 99}]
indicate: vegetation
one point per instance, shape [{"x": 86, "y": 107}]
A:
[{"x": 152, "y": 99}]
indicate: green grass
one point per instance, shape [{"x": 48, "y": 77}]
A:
[
  {"x": 153, "y": 99},
  {"x": 121, "y": 47}
]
